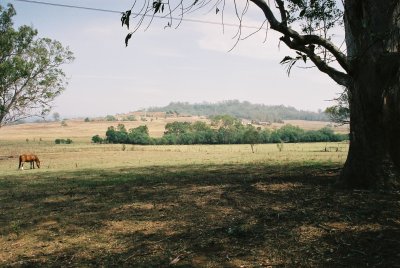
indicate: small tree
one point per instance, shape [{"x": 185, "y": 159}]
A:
[
  {"x": 177, "y": 127},
  {"x": 139, "y": 135},
  {"x": 251, "y": 136},
  {"x": 111, "y": 118},
  {"x": 130, "y": 117},
  {"x": 97, "y": 139},
  {"x": 56, "y": 116},
  {"x": 30, "y": 73},
  {"x": 111, "y": 135}
]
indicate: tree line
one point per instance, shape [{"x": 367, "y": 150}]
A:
[
  {"x": 223, "y": 130},
  {"x": 245, "y": 110}
]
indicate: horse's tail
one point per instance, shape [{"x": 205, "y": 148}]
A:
[
  {"x": 20, "y": 161},
  {"x": 37, "y": 161}
]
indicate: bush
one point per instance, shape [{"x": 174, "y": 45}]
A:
[
  {"x": 62, "y": 141},
  {"x": 111, "y": 118},
  {"x": 97, "y": 139},
  {"x": 130, "y": 118}
]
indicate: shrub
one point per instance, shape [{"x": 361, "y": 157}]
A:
[
  {"x": 62, "y": 141},
  {"x": 130, "y": 118},
  {"x": 111, "y": 118},
  {"x": 97, "y": 139}
]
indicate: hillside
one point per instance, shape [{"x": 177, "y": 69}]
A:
[{"x": 245, "y": 110}]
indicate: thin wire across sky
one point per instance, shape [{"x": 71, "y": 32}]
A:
[{"x": 147, "y": 15}]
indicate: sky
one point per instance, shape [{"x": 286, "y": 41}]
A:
[{"x": 194, "y": 63}]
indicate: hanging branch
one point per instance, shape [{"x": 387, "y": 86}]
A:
[{"x": 306, "y": 44}]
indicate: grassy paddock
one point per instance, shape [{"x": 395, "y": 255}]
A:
[
  {"x": 85, "y": 156},
  {"x": 195, "y": 206}
]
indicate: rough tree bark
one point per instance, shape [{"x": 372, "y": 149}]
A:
[
  {"x": 372, "y": 37},
  {"x": 371, "y": 75}
]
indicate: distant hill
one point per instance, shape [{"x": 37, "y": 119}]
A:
[{"x": 245, "y": 110}]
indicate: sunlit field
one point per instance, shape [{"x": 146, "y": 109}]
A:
[
  {"x": 82, "y": 154},
  {"x": 116, "y": 205},
  {"x": 94, "y": 156}
]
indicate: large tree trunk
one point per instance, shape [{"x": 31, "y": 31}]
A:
[{"x": 372, "y": 37}]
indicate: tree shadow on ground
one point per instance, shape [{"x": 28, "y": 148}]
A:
[{"x": 250, "y": 215}]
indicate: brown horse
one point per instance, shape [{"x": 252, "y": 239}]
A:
[{"x": 31, "y": 158}]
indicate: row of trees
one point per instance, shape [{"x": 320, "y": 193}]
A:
[
  {"x": 202, "y": 133},
  {"x": 245, "y": 109}
]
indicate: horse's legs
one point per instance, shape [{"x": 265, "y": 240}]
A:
[{"x": 32, "y": 165}]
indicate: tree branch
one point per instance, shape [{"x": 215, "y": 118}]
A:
[
  {"x": 282, "y": 10},
  {"x": 339, "y": 77},
  {"x": 306, "y": 44}
]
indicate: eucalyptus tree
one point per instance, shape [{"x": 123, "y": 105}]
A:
[
  {"x": 30, "y": 73},
  {"x": 368, "y": 68}
]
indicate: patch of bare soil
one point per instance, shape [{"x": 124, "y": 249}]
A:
[{"x": 203, "y": 216}]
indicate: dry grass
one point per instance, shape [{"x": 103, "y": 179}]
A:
[
  {"x": 225, "y": 215},
  {"x": 189, "y": 206},
  {"x": 87, "y": 156},
  {"x": 81, "y": 131}
]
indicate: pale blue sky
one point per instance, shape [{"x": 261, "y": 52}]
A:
[{"x": 191, "y": 63}]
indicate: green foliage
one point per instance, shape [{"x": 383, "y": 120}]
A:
[
  {"x": 30, "y": 73},
  {"x": 87, "y": 119},
  {"x": 314, "y": 15},
  {"x": 199, "y": 126},
  {"x": 251, "y": 135},
  {"x": 225, "y": 121},
  {"x": 289, "y": 133},
  {"x": 177, "y": 128},
  {"x": 121, "y": 128},
  {"x": 201, "y": 133},
  {"x": 340, "y": 113},
  {"x": 130, "y": 117},
  {"x": 97, "y": 139},
  {"x": 139, "y": 135},
  {"x": 111, "y": 118},
  {"x": 237, "y": 109},
  {"x": 62, "y": 141}
]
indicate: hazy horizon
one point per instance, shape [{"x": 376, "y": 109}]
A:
[{"x": 161, "y": 106}]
